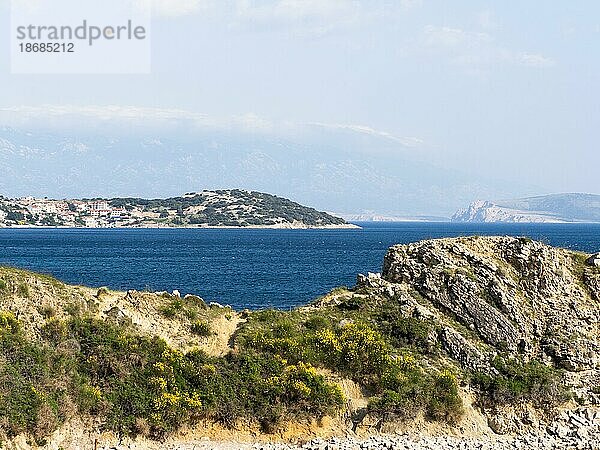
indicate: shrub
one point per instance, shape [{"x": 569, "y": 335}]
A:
[
  {"x": 138, "y": 385},
  {"x": 30, "y": 395},
  {"x": 201, "y": 328},
  {"x": 355, "y": 349},
  {"x": 360, "y": 352},
  {"x": 350, "y": 304},
  {"x": 188, "y": 307},
  {"x": 404, "y": 392},
  {"x": 405, "y": 331},
  {"x": 47, "y": 311},
  {"x": 9, "y": 325},
  {"x": 394, "y": 404},
  {"x": 73, "y": 309},
  {"x": 23, "y": 290},
  {"x": 408, "y": 391},
  {"x": 518, "y": 381},
  {"x": 54, "y": 330},
  {"x": 102, "y": 291},
  {"x": 444, "y": 402},
  {"x": 316, "y": 323}
]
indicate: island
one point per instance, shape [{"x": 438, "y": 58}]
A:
[
  {"x": 553, "y": 208},
  {"x": 233, "y": 208}
]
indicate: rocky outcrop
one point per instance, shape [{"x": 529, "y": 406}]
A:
[
  {"x": 459, "y": 347},
  {"x": 487, "y": 212},
  {"x": 594, "y": 260},
  {"x": 546, "y": 208},
  {"x": 516, "y": 295}
]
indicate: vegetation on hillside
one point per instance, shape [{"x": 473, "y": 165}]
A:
[
  {"x": 229, "y": 208},
  {"x": 357, "y": 346},
  {"x": 138, "y": 385},
  {"x": 284, "y": 366}
]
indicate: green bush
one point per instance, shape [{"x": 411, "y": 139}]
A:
[
  {"x": 128, "y": 380},
  {"x": 403, "y": 391},
  {"x": 31, "y": 377},
  {"x": 73, "y": 309},
  {"x": 54, "y": 330},
  {"x": 47, "y": 311},
  {"x": 354, "y": 349},
  {"x": 403, "y": 331},
  {"x": 189, "y": 307},
  {"x": 519, "y": 381},
  {"x": 9, "y": 324},
  {"x": 23, "y": 290},
  {"x": 315, "y": 323},
  {"x": 360, "y": 352},
  {"x": 408, "y": 390},
  {"x": 408, "y": 331},
  {"x": 201, "y": 328},
  {"x": 444, "y": 403}
]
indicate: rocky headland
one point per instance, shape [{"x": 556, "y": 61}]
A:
[
  {"x": 553, "y": 208},
  {"x": 465, "y": 343}
]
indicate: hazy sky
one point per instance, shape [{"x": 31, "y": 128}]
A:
[{"x": 504, "y": 89}]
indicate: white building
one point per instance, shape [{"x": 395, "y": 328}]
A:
[
  {"x": 118, "y": 213},
  {"x": 91, "y": 223},
  {"x": 100, "y": 205},
  {"x": 43, "y": 207}
]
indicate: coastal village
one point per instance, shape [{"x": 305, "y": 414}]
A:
[
  {"x": 33, "y": 211},
  {"x": 220, "y": 208}
]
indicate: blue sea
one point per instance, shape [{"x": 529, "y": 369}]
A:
[{"x": 243, "y": 268}]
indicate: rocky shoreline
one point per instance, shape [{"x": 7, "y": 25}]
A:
[
  {"x": 576, "y": 429},
  {"x": 283, "y": 226}
]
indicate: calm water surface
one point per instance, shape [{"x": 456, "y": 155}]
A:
[{"x": 243, "y": 268}]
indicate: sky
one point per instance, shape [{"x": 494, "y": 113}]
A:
[{"x": 504, "y": 90}]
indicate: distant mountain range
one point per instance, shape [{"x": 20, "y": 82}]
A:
[
  {"x": 374, "y": 217},
  {"x": 558, "y": 208},
  {"x": 332, "y": 169}
]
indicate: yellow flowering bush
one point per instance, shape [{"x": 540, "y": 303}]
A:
[{"x": 8, "y": 323}]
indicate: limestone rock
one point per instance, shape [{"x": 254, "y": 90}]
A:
[
  {"x": 462, "y": 350},
  {"x": 594, "y": 260},
  {"x": 516, "y": 295}
]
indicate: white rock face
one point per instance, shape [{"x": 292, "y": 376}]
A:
[
  {"x": 484, "y": 212},
  {"x": 594, "y": 260},
  {"x": 557, "y": 208}
]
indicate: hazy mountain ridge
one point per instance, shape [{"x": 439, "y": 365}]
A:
[
  {"x": 334, "y": 170},
  {"x": 554, "y": 208}
]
